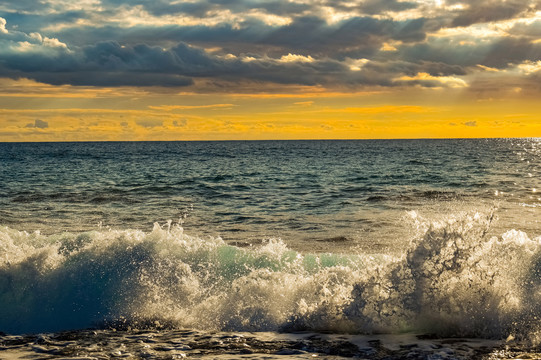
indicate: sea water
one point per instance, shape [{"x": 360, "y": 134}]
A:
[{"x": 282, "y": 248}]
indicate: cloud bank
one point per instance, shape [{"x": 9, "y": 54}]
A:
[{"x": 330, "y": 43}]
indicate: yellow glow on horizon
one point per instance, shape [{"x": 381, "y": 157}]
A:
[
  {"x": 30, "y": 111},
  {"x": 26, "y": 88},
  {"x": 308, "y": 121}
]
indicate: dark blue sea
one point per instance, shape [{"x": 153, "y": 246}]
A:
[{"x": 356, "y": 245}]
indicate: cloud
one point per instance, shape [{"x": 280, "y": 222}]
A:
[
  {"x": 3, "y": 26},
  {"x": 149, "y": 123},
  {"x": 180, "y": 123},
  {"x": 109, "y": 78},
  {"x": 205, "y": 7},
  {"x": 189, "y": 107},
  {"x": 308, "y": 32},
  {"x": 38, "y": 124},
  {"x": 530, "y": 29},
  {"x": 103, "y": 64},
  {"x": 112, "y": 64},
  {"x": 296, "y": 58},
  {"x": 428, "y": 80},
  {"x": 355, "y": 35},
  {"x": 482, "y": 11},
  {"x": 303, "y": 36},
  {"x": 304, "y": 103},
  {"x": 329, "y": 43},
  {"x": 27, "y": 6},
  {"x": 471, "y": 123},
  {"x": 495, "y": 53},
  {"x": 381, "y": 6}
]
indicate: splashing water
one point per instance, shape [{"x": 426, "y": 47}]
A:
[{"x": 453, "y": 280}]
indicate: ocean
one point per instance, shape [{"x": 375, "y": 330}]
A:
[{"x": 271, "y": 249}]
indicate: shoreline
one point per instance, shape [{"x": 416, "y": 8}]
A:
[{"x": 177, "y": 344}]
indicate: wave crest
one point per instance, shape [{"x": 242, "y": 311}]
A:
[{"x": 453, "y": 280}]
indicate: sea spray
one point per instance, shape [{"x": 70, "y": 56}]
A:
[
  {"x": 72, "y": 281},
  {"x": 453, "y": 280}
]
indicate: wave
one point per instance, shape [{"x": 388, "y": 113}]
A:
[{"x": 453, "y": 280}]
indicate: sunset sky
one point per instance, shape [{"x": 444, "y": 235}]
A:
[{"x": 271, "y": 69}]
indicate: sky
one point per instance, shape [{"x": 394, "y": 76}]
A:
[{"x": 108, "y": 70}]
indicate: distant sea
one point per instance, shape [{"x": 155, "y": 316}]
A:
[{"x": 254, "y": 249}]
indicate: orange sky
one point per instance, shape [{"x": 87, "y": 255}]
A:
[
  {"x": 320, "y": 70},
  {"x": 37, "y": 112}
]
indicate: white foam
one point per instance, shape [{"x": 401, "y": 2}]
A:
[{"x": 453, "y": 280}]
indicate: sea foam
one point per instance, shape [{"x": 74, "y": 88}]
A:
[{"x": 453, "y": 280}]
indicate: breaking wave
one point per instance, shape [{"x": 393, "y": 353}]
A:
[{"x": 453, "y": 280}]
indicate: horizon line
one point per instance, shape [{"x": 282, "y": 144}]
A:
[{"x": 254, "y": 140}]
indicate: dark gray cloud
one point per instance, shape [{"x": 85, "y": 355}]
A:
[
  {"x": 413, "y": 68},
  {"x": 481, "y": 11},
  {"x": 374, "y": 7},
  {"x": 274, "y": 7},
  {"x": 203, "y": 8},
  {"x": 25, "y": 6},
  {"x": 313, "y": 33},
  {"x": 359, "y": 36},
  {"x": 102, "y": 64},
  {"x": 42, "y": 41},
  {"x": 531, "y": 30},
  {"x": 496, "y": 52},
  {"x": 36, "y": 22},
  {"x": 247, "y": 34},
  {"x": 111, "y": 64},
  {"x": 109, "y": 79}
]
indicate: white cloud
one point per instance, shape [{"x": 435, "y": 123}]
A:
[
  {"x": 296, "y": 58},
  {"x": 529, "y": 67},
  {"x": 248, "y": 59},
  {"x": 450, "y": 81},
  {"x": 356, "y": 64},
  {"x": 53, "y": 42},
  {"x": 36, "y": 36},
  {"x": 390, "y": 46},
  {"x": 487, "y": 68},
  {"x": 25, "y": 46},
  {"x": 3, "y": 23}
]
